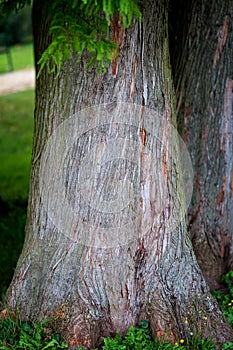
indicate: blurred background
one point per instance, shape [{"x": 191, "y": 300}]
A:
[
  {"x": 16, "y": 28},
  {"x": 16, "y": 132}
]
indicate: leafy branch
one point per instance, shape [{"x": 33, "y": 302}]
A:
[{"x": 84, "y": 25}]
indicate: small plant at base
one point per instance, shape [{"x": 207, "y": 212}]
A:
[
  {"x": 227, "y": 346},
  {"x": 195, "y": 342},
  {"x": 139, "y": 338},
  {"x": 226, "y": 299},
  {"x": 18, "y": 335},
  {"x": 24, "y": 335},
  {"x": 136, "y": 338}
]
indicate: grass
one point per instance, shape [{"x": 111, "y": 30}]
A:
[
  {"x": 22, "y": 57},
  {"x": 16, "y": 130}
]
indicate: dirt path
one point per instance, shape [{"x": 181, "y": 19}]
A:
[{"x": 17, "y": 81}]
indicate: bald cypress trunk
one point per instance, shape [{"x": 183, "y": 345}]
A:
[
  {"x": 202, "y": 56},
  {"x": 98, "y": 256}
]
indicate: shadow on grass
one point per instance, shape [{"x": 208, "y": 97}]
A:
[{"x": 12, "y": 222}]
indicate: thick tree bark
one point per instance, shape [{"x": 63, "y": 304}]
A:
[
  {"x": 202, "y": 57},
  {"x": 88, "y": 291}
]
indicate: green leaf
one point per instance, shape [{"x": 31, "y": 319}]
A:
[{"x": 143, "y": 324}]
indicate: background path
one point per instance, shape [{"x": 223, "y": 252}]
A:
[{"x": 17, "y": 81}]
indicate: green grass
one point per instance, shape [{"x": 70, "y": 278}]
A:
[
  {"x": 16, "y": 132},
  {"x": 22, "y": 57}
]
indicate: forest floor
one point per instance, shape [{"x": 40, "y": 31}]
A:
[{"x": 17, "y": 81}]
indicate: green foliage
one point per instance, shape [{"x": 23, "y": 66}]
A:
[
  {"x": 74, "y": 31},
  {"x": 24, "y": 335},
  {"x": 227, "y": 346},
  {"x": 136, "y": 338},
  {"x": 139, "y": 338},
  {"x": 196, "y": 343},
  {"x": 84, "y": 25},
  {"x": 16, "y": 28},
  {"x": 226, "y": 299},
  {"x": 7, "y": 6}
]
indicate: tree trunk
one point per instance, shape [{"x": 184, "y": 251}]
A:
[
  {"x": 96, "y": 269},
  {"x": 202, "y": 57}
]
